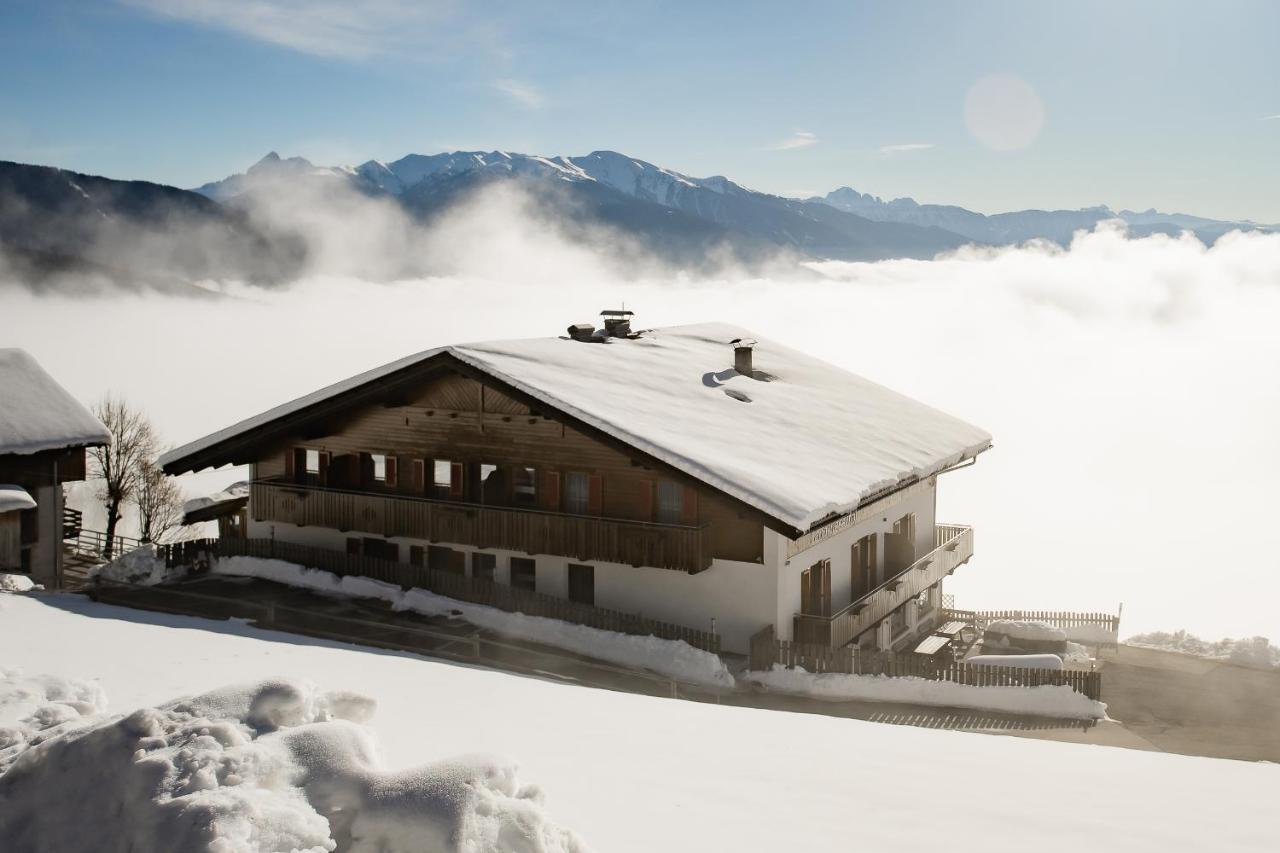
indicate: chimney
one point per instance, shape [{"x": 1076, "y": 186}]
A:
[
  {"x": 617, "y": 322},
  {"x": 742, "y": 355}
]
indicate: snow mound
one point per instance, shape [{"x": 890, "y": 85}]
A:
[
  {"x": 672, "y": 658},
  {"x": 141, "y": 566},
  {"x": 1026, "y": 630},
  {"x": 270, "y": 766},
  {"x": 35, "y": 707},
  {"x": 1058, "y": 701},
  {"x": 17, "y": 583}
]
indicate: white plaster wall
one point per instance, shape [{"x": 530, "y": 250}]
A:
[
  {"x": 838, "y": 549},
  {"x": 740, "y": 597}
]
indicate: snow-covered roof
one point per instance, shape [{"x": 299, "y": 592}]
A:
[
  {"x": 811, "y": 441},
  {"x": 37, "y": 414},
  {"x": 13, "y": 498}
]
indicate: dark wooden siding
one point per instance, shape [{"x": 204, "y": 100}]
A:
[{"x": 444, "y": 420}]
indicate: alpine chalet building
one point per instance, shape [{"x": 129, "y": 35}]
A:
[{"x": 692, "y": 474}]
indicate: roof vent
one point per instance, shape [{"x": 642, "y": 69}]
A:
[
  {"x": 742, "y": 355},
  {"x": 617, "y": 322}
]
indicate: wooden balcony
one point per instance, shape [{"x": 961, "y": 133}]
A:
[
  {"x": 580, "y": 537},
  {"x": 953, "y": 547}
]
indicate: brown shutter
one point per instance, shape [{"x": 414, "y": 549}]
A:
[
  {"x": 366, "y": 470},
  {"x": 324, "y": 467},
  {"x": 689, "y": 506},
  {"x": 455, "y": 480},
  {"x": 646, "y": 500},
  {"x": 595, "y": 495},
  {"x": 551, "y": 490},
  {"x": 290, "y": 468},
  {"x": 391, "y": 471},
  {"x": 420, "y": 476}
]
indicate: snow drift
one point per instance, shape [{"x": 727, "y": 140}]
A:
[
  {"x": 1044, "y": 701},
  {"x": 672, "y": 658},
  {"x": 272, "y": 765}
]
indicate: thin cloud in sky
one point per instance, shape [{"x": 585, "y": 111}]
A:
[
  {"x": 1271, "y": 118},
  {"x": 522, "y": 93},
  {"x": 904, "y": 148},
  {"x": 344, "y": 29},
  {"x": 798, "y": 139}
]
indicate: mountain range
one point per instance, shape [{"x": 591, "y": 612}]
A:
[{"x": 52, "y": 220}]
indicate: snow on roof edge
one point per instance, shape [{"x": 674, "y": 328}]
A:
[
  {"x": 52, "y": 418},
  {"x": 14, "y": 497}
]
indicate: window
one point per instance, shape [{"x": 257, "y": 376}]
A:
[
  {"x": 582, "y": 584},
  {"x": 815, "y": 589},
  {"x": 312, "y": 463},
  {"x": 577, "y": 492},
  {"x": 446, "y": 479},
  {"x": 379, "y": 467},
  {"x": 670, "y": 502},
  {"x": 524, "y": 573},
  {"x": 381, "y": 549},
  {"x": 491, "y": 486},
  {"x": 444, "y": 559},
  {"x": 482, "y": 566},
  {"x": 524, "y": 486}
]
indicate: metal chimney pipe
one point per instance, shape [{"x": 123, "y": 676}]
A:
[{"x": 742, "y": 356}]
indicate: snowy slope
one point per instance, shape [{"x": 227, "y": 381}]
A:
[
  {"x": 673, "y": 393},
  {"x": 36, "y": 413},
  {"x": 631, "y": 773}
]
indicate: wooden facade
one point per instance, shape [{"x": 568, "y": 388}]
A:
[
  {"x": 455, "y": 460},
  {"x": 31, "y": 540}
]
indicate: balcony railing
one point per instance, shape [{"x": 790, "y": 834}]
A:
[
  {"x": 954, "y": 546},
  {"x": 636, "y": 543}
]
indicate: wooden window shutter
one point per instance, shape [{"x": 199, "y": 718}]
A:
[
  {"x": 324, "y": 467},
  {"x": 689, "y": 506},
  {"x": 455, "y": 480},
  {"x": 420, "y": 476},
  {"x": 391, "y": 471},
  {"x": 366, "y": 470},
  {"x": 646, "y": 500},
  {"x": 551, "y": 490},
  {"x": 291, "y": 462},
  {"x": 595, "y": 495}
]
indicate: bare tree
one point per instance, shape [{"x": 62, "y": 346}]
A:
[
  {"x": 120, "y": 464},
  {"x": 159, "y": 502}
]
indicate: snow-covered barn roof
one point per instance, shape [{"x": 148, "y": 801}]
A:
[
  {"x": 207, "y": 508},
  {"x": 37, "y": 414},
  {"x": 804, "y": 441}
]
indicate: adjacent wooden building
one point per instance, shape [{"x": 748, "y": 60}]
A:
[
  {"x": 44, "y": 433},
  {"x": 692, "y": 475}
]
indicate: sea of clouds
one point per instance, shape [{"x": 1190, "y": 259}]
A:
[{"x": 1132, "y": 385}]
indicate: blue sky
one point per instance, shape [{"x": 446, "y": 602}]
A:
[{"x": 1174, "y": 105}]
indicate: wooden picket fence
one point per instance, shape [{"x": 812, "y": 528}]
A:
[
  {"x": 767, "y": 651},
  {"x": 1093, "y": 629},
  {"x": 447, "y": 584}
]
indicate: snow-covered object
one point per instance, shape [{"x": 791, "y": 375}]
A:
[
  {"x": 672, "y": 658},
  {"x": 141, "y": 566},
  {"x": 1058, "y": 701},
  {"x": 673, "y": 393},
  {"x": 1023, "y": 661},
  {"x": 17, "y": 583},
  {"x": 15, "y": 498},
  {"x": 234, "y": 492},
  {"x": 37, "y": 413},
  {"x": 270, "y": 766},
  {"x": 1026, "y": 630}
]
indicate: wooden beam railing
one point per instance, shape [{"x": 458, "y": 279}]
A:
[
  {"x": 953, "y": 547},
  {"x": 636, "y": 543}
]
